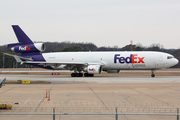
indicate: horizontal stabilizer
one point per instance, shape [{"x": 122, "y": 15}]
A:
[
  {"x": 1, "y": 82},
  {"x": 18, "y": 58}
]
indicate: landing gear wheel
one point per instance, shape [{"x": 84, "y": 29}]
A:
[
  {"x": 88, "y": 75},
  {"x": 91, "y": 75},
  {"x": 76, "y": 74},
  {"x": 85, "y": 74},
  {"x": 73, "y": 75},
  {"x": 153, "y": 75},
  {"x": 80, "y": 74}
]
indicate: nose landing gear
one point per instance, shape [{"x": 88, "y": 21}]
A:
[{"x": 152, "y": 75}]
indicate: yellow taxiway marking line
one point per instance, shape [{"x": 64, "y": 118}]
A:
[{"x": 44, "y": 100}]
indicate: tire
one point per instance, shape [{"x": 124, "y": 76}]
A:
[
  {"x": 72, "y": 74},
  {"x": 76, "y": 74},
  {"x": 85, "y": 74},
  {"x": 80, "y": 74},
  {"x": 153, "y": 75},
  {"x": 90, "y": 75}
]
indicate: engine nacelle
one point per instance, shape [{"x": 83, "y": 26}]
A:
[
  {"x": 36, "y": 47},
  {"x": 93, "y": 69},
  {"x": 113, "y": 71}
]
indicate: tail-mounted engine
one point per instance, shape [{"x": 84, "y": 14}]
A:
[
  {"x": 93, "y": 69},
  {"x": 36, "y": 47}
]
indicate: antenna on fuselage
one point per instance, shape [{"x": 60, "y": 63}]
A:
[{"x": 131, "y": 45}]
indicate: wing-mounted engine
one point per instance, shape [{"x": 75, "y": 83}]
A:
[
  {"x": 93, "y": 69},
  {"x": 28, "y": 48}
]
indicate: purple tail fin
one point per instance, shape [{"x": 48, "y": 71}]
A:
[
  {"x": 25, "y": 44},
  {"x": 21, "y": 36}
]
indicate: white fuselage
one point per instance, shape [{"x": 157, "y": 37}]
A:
[{"x": 115, "y": 60}]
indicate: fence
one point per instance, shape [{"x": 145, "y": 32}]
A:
[
  {"x": 94, "y": 111},
  {"x": 65, "y": 110}
]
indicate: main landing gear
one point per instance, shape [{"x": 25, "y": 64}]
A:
[
  {"x": 81, "y": 75},
  {"x": 88, "y": 75},
  {"x": 152, "y": 75}
]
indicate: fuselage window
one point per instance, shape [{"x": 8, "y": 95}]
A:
[{"x": 169, "y": 57}]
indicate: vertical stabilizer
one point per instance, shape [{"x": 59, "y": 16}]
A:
[
  {"x": 25, "y": 44},
  {"x": 21, "y": 36}
]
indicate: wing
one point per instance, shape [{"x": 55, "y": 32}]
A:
[
  {"x": 63, "y": 65},
  {"x": 54, "y": 65}
]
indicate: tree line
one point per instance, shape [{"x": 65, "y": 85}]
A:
[{"x": 9, "y": 62}]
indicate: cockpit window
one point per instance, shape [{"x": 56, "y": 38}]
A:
[{"x": 169, "y": 57}]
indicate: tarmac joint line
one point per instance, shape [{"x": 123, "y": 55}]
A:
[{"x": 98, "y": 97}]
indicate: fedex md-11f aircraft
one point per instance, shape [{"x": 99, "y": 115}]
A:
[{"x": 88, "y": 62}]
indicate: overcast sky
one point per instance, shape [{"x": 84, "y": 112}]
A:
[{"x": 102, "y": 22}]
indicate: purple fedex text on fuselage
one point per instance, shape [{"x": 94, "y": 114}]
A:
[
  {"x": 132, "y": 59},
  {"x": 122, "y": 59}
]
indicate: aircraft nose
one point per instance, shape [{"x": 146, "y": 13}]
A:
[{"x": 176, "y": 61}]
